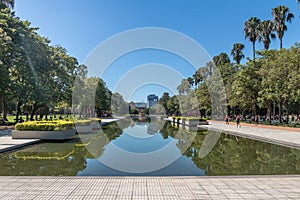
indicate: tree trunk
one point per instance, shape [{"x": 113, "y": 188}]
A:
[
  {"x": 253, "y": 49},
  {"x": 280, "y": 39},
  {"x": 32, "y": 113},
  {"x": 18, "y": 111},
  {"x": 269, "y": 113},
  {"x": 4, "y": 108},
  {"x": 279, "y": 113}
]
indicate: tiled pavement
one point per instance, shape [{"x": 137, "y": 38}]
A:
[
  {"x": 281, "y": 137},
  {"x": 253, "y": 187},
  {"x": 256, "y": 187}
]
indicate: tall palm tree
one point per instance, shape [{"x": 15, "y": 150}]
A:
[
  {"x": 281, "y": 14},
  {"x": 191, "y": 81},
  {"x": 237, "y": 52},
  {"x": 198, "y": 77},
  {"x": 250, "y": 30},
  {"x": 7, "y": 3},
  {"x": 265, "y": 31},
  {"x": 184, "y": 86},
  {"x": 221, "y": 59}
]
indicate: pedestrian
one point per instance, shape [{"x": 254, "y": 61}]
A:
[
  {"x": 227, "y": 119},
  {"x": 238, "y": 121},
  {"x": 256, "y": 120}
]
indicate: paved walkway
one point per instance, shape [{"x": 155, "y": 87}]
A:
[
  {"x": 271, "y": 135},
  {"x": 8, "y": 144},
  {"x": 105, "y": 121},
  {"x": 280, "y": 187}
]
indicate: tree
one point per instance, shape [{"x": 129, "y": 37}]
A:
[
  {"x": 118, "y": 106},
  {"x": 191, "y": 81},
  {"x": 184, "y": 86},
  {"x": 7, "y": 4},
  {"x": 281, "y": 14},
  {"x": 245, "y": 87},
  {"x": 198, "y": 76},
  {"x": 163, "y": 101},
  {"x": 265, "y": 31},
  {"x": 237, "y": 52},
  {"x": 221, "y": 59},
  {"x": 250, "y": 29}
]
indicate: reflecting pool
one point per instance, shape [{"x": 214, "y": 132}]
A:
[{"x": 150, "y": 148}]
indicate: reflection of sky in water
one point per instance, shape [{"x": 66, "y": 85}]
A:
[
  {"x": 138, "y": 131},
  {"x": 182, "y": 167},
  {"x": 135, "y": 151},
  {"x": 140, "y": 145}
]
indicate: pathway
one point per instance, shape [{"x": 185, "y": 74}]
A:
[
  {"x": 8, "y": 144},
  {"x": 105, "y": 121},
  {"x": 256, "y": 187},
  {"x": 286, "y": 137}
]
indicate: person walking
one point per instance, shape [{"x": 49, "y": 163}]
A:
[
  {"x": 256, "y": 120},
  {"x": 238, "y": 121},
  {"x": 227, "y": 120}
]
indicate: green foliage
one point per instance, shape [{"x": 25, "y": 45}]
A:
[
  {"x": 95, "y": 120},
  {"x": 58, "y": 125},
  {"x": 201, "y": 119},
  {"x": 83, "y": 122}
]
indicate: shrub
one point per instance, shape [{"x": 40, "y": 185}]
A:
[
  {"x": 193, "y": 119},
  {"x": 83, "y": 122},
  {"x": 45, "y": 125},
  {"x": 95, "y": 120}
]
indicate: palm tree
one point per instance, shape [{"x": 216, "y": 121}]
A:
[
  {"x": 281, "y": 14},
  {"x": 250, "y": 30},
  {"x": 191, "y": 81},
  {"x": 237, "y": 52},
  {"x": 221, "y": 59},
  {"x": 265, "y": 31},
  {"x": 184, "y": 86},
  {"x": 7, "y": 3},
  {"x": 198, "y": 78}
]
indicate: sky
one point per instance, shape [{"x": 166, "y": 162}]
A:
[{"x": 82, "y": 26}]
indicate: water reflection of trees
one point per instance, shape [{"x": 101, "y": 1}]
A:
[
  {"x": 238, "y": 156},
  {"x": 59, "y": 159}
]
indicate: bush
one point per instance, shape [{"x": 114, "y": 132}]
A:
[
  {"x": 95, "y": 120},
  {"x": 83, "y": 122},
  {"x": 191, "y": 119},
  {"x": 45, "y": 125}
]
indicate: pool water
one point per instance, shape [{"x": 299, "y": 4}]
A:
[{"x": 151, "y": 148}]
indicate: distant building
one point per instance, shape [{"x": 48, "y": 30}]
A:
[
  {"x": 152, "y": 100},
  {"x": 140, "y": 106}
]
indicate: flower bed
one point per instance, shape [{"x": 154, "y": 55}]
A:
[
  {"x": 59, "y": 125},
  {"x": 45, "y": 130}
]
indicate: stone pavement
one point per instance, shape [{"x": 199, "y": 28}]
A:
[
  {"x": 271, "y": 135},
  {"x": 8, "y": 144},
  {"x": 105, "y": 121},
  {"x": 256, "y": 187}
]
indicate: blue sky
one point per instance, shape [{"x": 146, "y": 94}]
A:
[{"x": 79, "y": 26}]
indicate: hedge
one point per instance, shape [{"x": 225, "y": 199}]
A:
[
  {"x": 95, "y": 119},
  {"x": 189, "y": 118},
  {"x": 83, "y": 122},
  {"x": 58, "y": 125}
]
